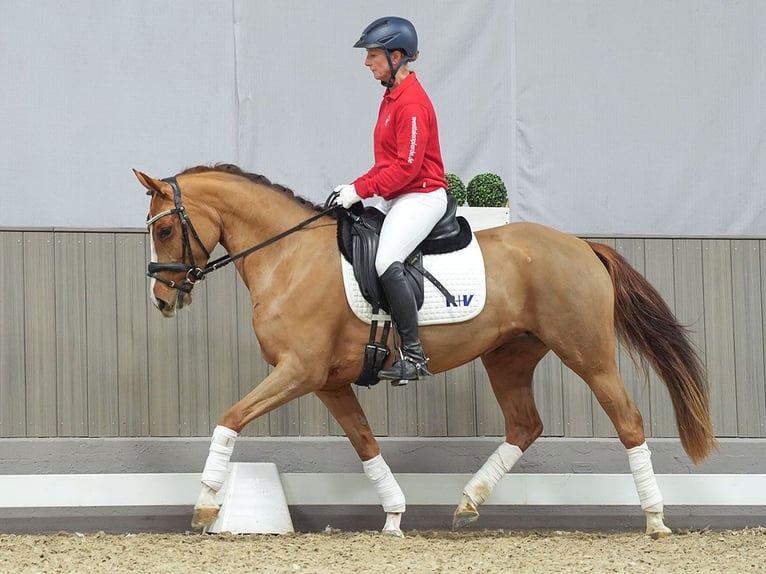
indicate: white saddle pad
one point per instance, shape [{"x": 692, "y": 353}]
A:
[{"x": 461, "y": 273}]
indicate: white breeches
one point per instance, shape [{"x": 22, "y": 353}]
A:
[{"x": 409, "y": 220}]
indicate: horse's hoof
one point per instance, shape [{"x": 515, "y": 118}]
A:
[
  {"x": 392, "y": 533},
  {"x": 463, "y": 519},
  {"x": 204, "y": 517},
  {"x": 658, "y": 534},
  {"x": 655, "y": 526},
  {"x": 465, "y": 513}
]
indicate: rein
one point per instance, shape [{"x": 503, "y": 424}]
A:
[{"x": 192, "y": 271}]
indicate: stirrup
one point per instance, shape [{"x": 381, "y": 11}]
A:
[{"x": 404, "y": 370}]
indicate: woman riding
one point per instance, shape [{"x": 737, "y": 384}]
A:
[{"x": 408, "y": 176}]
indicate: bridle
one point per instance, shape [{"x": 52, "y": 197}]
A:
[
  {"x": 187, "y": 265},
  {"x": 192, "y": 272}
]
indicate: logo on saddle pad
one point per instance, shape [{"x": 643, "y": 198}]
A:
[
  {"x": 460, "y": 301},
  {"x": 460, "y": 272}
]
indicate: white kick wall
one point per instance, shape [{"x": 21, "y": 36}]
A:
[{"x": 602, "y": 116}]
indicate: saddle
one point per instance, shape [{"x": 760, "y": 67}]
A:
[
  {"x": 358, "y": 240},
  {"x": 359, "y": 237}
]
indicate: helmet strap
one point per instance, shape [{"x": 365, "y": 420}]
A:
[{"x": 394, "y": 69}]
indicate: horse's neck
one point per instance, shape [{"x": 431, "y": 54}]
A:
[
  {"x": 250, "y": 217},
  {"x": 251, "y": 214}
]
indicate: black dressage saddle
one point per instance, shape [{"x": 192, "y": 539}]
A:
[{"x": 359, "y": 236}]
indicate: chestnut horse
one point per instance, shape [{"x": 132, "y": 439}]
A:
[{"x": 545, "y": 291}]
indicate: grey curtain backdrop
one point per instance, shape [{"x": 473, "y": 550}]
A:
[{"x": 602, "y": 116}]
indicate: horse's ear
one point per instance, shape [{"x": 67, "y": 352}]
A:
[{"x": 152, "y": 185}]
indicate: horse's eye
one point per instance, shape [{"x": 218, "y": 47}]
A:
[{"x": 164, "y": 232}]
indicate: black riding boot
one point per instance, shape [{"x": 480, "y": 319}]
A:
[{"x": 411, "y": 364}]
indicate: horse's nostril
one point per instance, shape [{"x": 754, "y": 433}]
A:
[{"x": 161, "y": 304}]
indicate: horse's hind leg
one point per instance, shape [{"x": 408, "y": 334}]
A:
[
  {"x": 510, "y": 369},
  {"x": 596, "y": 365},
  {"x": 344, "y": 406},
  {"x": 626, "y": 418}
]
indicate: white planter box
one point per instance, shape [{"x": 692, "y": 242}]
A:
[{"x": 485, "y": 217}]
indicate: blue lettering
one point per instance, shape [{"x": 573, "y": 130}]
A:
[{"x": 460, "y": 301}]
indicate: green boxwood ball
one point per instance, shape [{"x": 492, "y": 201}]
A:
[
  {"x": 486, "y": 190},
  {"x": 456, "y": 188}
]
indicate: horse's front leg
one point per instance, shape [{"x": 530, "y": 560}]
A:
[
  {"x": 344, "y": 406},
  {"x": 213, "y": 476},
  {"x": 275, "y": 390},
  {"x": 510, "y": 369}
]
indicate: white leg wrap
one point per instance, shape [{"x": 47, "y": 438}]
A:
[
  {"x": 221, "y": 447},
  {"x": 640, "y": 461},
  {"x": 499, "y": 462},
  {"x": 389, "y": 492}
]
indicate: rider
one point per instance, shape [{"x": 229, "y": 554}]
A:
[{"x": 408, "y": 176}]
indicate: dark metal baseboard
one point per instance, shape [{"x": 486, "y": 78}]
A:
[{"x": 371, "y": 518}]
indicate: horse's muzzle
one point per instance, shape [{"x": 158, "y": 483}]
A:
[{"x": 168, "y": 307}]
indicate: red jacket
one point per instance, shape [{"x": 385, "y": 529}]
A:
[{"x": 407, "y": 153}]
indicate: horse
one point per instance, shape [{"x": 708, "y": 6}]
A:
[{"x": 546, "y": 291}]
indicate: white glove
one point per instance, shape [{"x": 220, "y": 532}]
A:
[{"x": 346, "y": 195}]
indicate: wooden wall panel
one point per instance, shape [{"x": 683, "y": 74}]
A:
[
  {"x": 374, "y": 402},
  {"x": 402, "y": 410},
  {"x": 461, "y": 401},
  {"x": 101, "y": 315},
  {"x": 194, "y": 366},
  {"x": 13, "y": 387},
  {"x": 719, "y": 335},
  {"x": 164, "y": 387},
  {"x": 489, "y": 417},
  {"x": 84, "y": 352},
  {"x": 162, "y": 358},
  {"x": 549, "y": 394},
  {"x": 314, "y": 419},
  {"x": 432, "y": 406},
  {"x": 71, "y": 335},
  {"x": 132, "y": 341},
  {"x": 40, "y": 334},
  {"x": 747, "y": 278}
]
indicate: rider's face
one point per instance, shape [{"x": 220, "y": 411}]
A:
[{"x": 378, "y": 63}]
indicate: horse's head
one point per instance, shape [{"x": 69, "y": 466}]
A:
[{"x": 180, "y": 249}]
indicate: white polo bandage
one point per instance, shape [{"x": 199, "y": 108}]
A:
[
  {"x": 221, "y": 447},
  {"x": 389, "y": 492},
  {"x": 640, "y": 461},
  {"x": 498, "y": 464}
]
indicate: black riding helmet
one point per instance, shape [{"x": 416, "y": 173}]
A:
[{"x": 391, "y": 33}]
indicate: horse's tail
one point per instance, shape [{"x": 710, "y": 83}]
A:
[{"x": 650, "y": 332}]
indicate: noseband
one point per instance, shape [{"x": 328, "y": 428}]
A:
[{"x": 194, "y": 273}]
